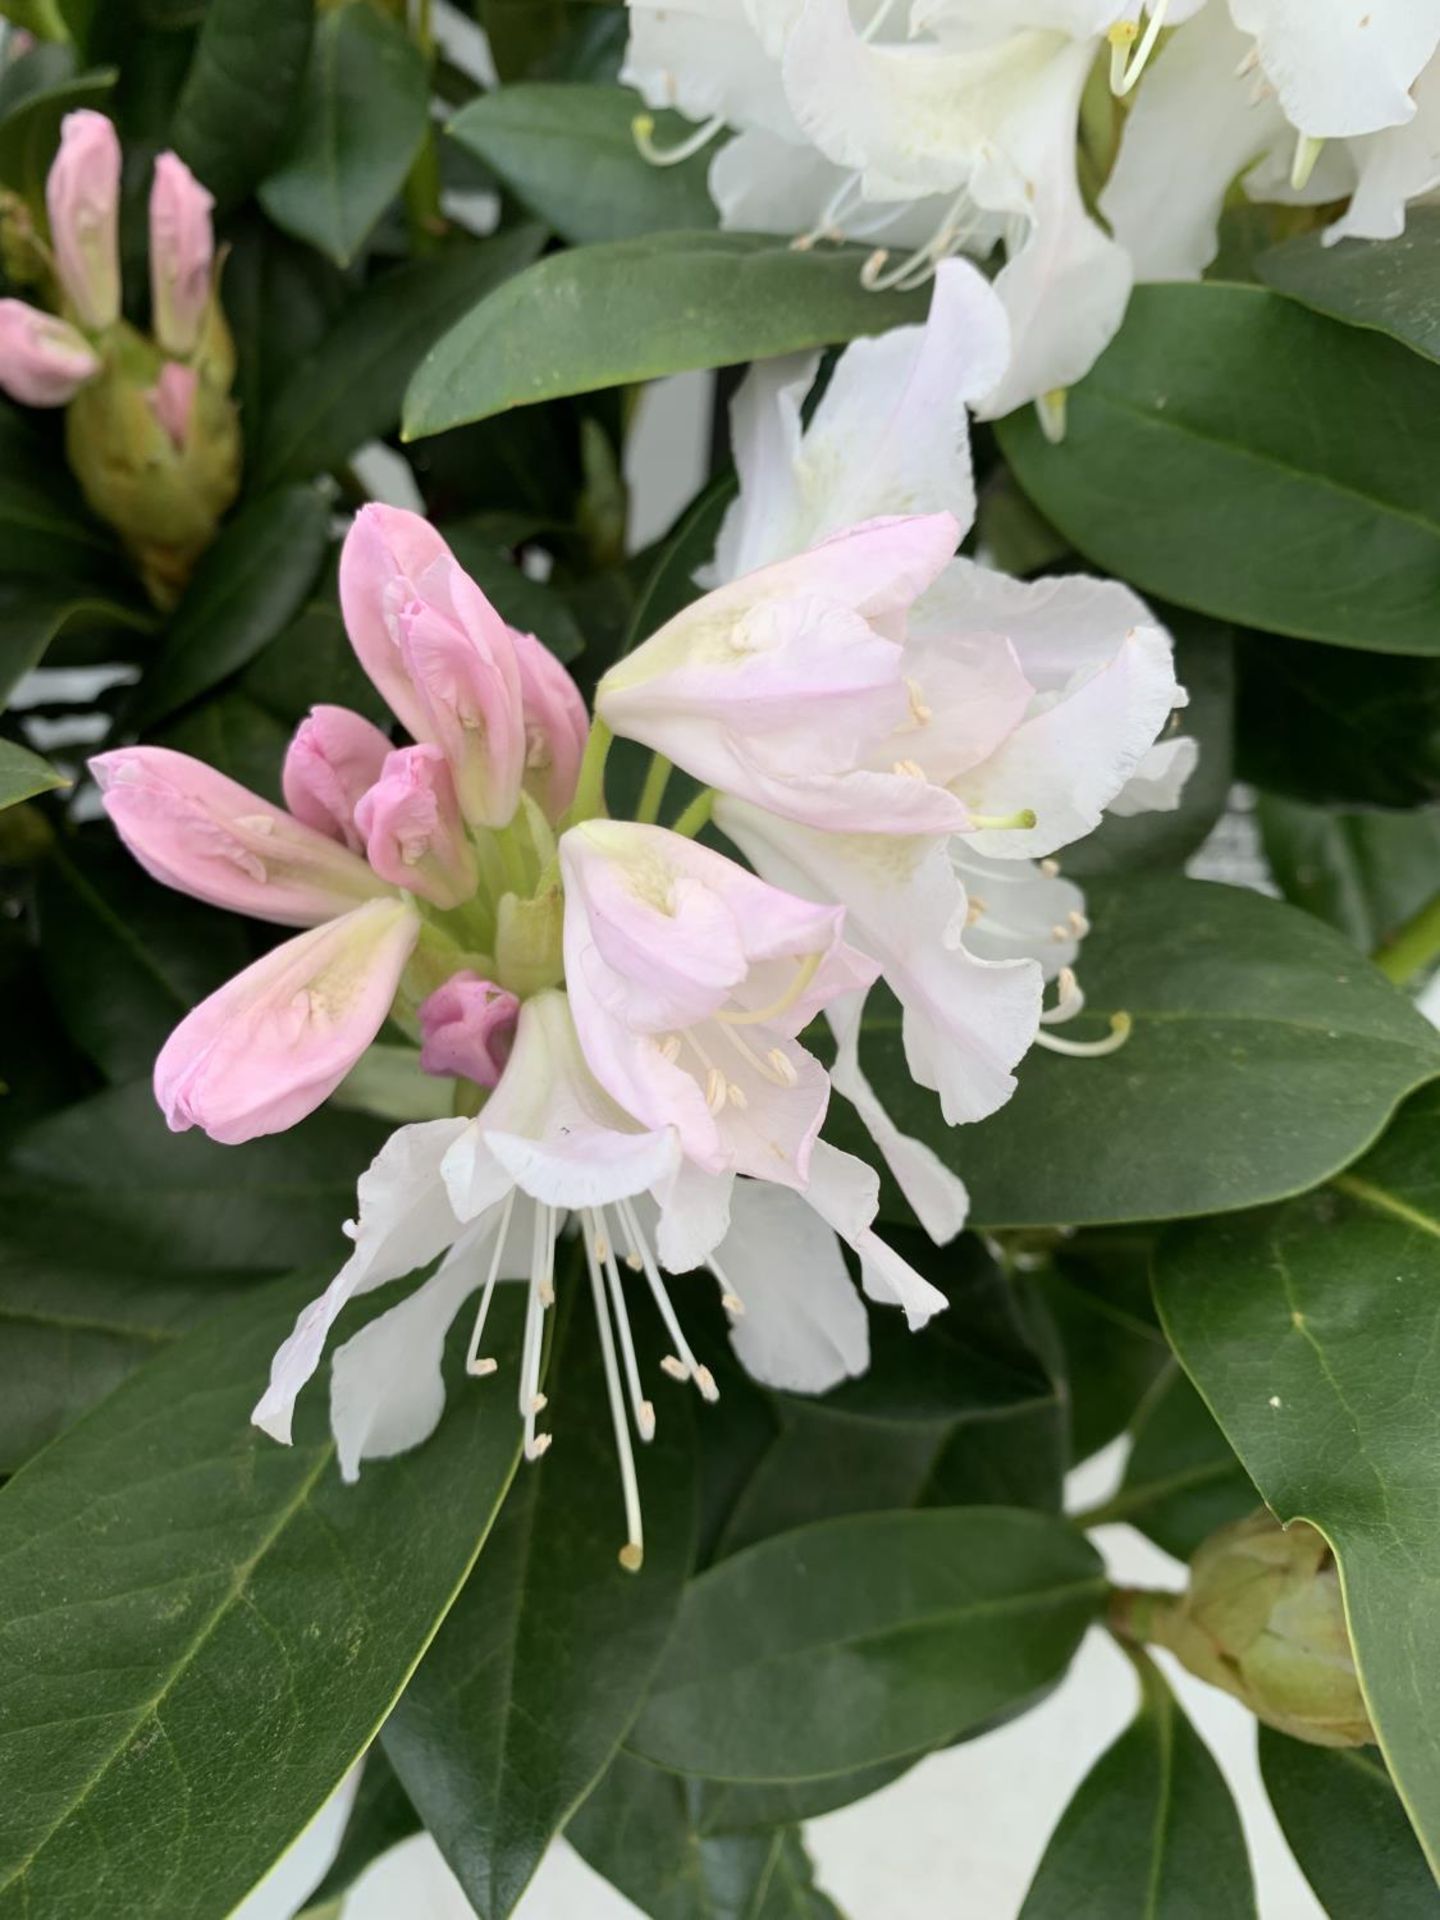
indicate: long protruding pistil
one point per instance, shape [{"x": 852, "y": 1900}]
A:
[{"x": 632, "y": 1554}]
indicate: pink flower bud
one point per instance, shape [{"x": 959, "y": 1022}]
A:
[
  {"x": 556, "y": 725},
  {"x": 414, "y": 835},
  {"x": 83, "y": 198},
  {"x": 439, "y": 653},
  {"x": 469, "y": 1028},
  {"x": 193, "y": 829},
  {"x": 335, "y": 757},
  {"x": 172, "y": 401},
  {"x": 182, "y": 250},
  {"x": 275, "y": 1041},
  {"x": 43, "y": 361}
]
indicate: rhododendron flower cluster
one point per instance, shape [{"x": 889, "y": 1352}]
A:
[
  {"x": 151, "y": 432},
  {"x": 935, "y": 127},
  {"x": 625, "y": 1011}
]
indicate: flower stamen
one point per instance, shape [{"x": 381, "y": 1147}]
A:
[
  {"x": 477, "y": 1364},
  {"x": 1125, "y": 69},
  {"x": 632, "y": 1554},
  {"x": 686, "y": 1366},
  {"x": 640, "y": 1407},
  {"x": 642, "y": 128},
  {"x": 805, "y": 972},
  {"x": 1121, "y": 1027}
]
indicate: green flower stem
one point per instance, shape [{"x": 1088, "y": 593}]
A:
[
  {"x": 423, "y": 217},
  {"x": 697, "y": 814},
  {"x": 1414, "y": 948},
  {"x": 589, "y": 801},
  {"x": 517, "y": 872},
  {"x": 653, "y": 792}
]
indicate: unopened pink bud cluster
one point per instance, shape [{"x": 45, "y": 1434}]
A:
[{"x": 46, "y": 357}]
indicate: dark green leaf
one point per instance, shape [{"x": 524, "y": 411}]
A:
[
  {"x": 520, "y": 32},
  {"x": 33, "y": 615},
  {"x": 236, "y": 735},
  {"x": 106, "y": 1182},
  {"x": 30, "y": 133},
  {"x": 628, "y": 310},
  {"x": 739, "y": 1806},
  {"x": 1152, "y": 1831},
  {"x": 1309, "y": 1329},
  {"x": 246, "y": 588},
  {"x": 1390, "y": 285},
  {"x": 1347, "y": 1829},
  {"x": 1365, "y": 873},
  {"x": 241, "y": 90},
  {"x": 1228, "y": 421},
  {"x": 1205, "y": 666},
  {"x": 967, "y": 1415},
  {"x": 45, "y": 529},
  {"x": 861, "y": 1640},
  {"x": 381, "y": 1818},
  {"x": 72, "y": 1334},
  {"x": 520, "y": 1704},
  {"x": 670, "y": 585},
  {"x": 24, "y": 774},
  {"x": 45, "y": 65},
  {"x": 1182, "y": 1481},
  {"x": 312, "y": 662},
  {"x": 641, "y": 1829},
  {"x": 1097, "y": 1293},
  {"x": 349, "y": 388},
  {"x": 363, "y": 111},
  {"x": 1264, "y": 1056},
  {"x": 1336, "y": 728},
  {"x": 569, "y": 153},
  {"x": 523, "y": 602},
  {"x": 218, "y": 1623},
  {"x": 281, "y": 299},
  {"x": 102, "y": 919}
]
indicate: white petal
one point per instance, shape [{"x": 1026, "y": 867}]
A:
[
  {"x": 405, "y": 1219},
  {"x": 763, "y": 523},
  {"x": 966, "y": 1021},
  {"x": 1394, "y": 168},
  {"x": 1191, "y": 130},
  {"x": 554, "y": 1130},
  {"x": 386, "y": 1389},
  {"x": 937, "y": 1195},
  {"x": 1158, "y": 783},
  {"x": 694, "y": 1215},
  {"x": 1068, "y": 761},
  {"x": 1065, "y": 286},
  {"x": 1339, "y": 66},
  {"x": 846, "y": 1195},
  {"x": 1056, "y": 625},
  {"x": 705, "y": 57},
  {"x": 1017, "y": 911},
  {"x": 804, "y": 1328},
  {"x": 914, "y": 118}
]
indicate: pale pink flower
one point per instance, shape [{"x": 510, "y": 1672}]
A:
[
  {"x": 44, "y": 361},
  {"x": 556, "y": 725},
  {"x": 690, "y": 979},
  {"x": 182, "y": 249},
  {"x": 468, "y": 1029},
  {"x": 335, "y": 756},
  {"x": 414, "y": 836},
  {"x": 82, "y": 196},
  {"x": 271, "y": 1044},
  {"x": 792, "y": 687},
  {"x": 195, "y": 830},
  {"x": 439, "y": 653},
  {"x": 172, "y": 401}
]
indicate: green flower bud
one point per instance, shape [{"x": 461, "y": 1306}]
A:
[
  {"x": 155, "y": 444},
  {"x": 1263, "y": 1618}
]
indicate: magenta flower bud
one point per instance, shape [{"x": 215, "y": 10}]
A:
[
  {"x": 83, "y": 198},
  {"x": 556, "y": 725},
  {"x": 468, "y": 1026},
  {"x": 414, "y": 835},
  {"x": 193, "y": 829},
  {"x": 439, "y": 653},
  {"x": 335, "y": 757},
  {"x": 172, "y": 401},
  {"x": 271, "y": 1044},
  {"x": 43, "y": 361},
  {"x": 182, "y": 252}
]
